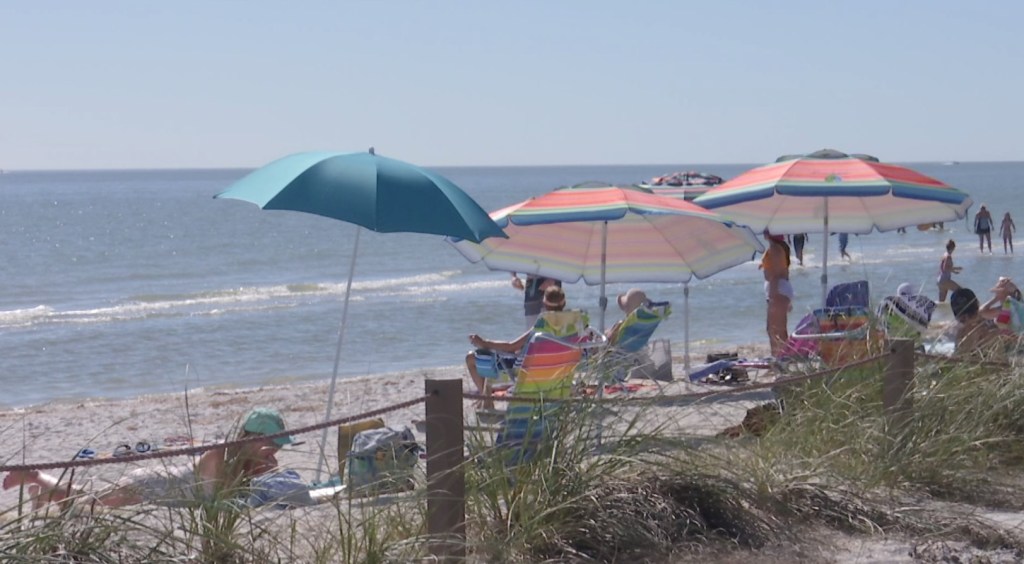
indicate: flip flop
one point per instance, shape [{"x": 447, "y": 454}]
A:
[
  {"x": 85, "y": 454},
  {"x": 143, "y": 447},
  {"x": 123, "y": 449}
]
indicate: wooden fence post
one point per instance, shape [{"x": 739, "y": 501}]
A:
[
  {"x": 898, "y": 385},
  {"x": 446, "y": 474}
]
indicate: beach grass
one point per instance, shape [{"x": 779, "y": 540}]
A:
[{"x": 616, "y": 484}]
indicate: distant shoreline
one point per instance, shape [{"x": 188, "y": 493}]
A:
[{"x": 481, "y": 166}]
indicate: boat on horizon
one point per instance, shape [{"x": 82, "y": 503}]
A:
[{"x": 686, "y": 185}]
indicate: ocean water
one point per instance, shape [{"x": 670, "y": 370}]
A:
[{"x": 121, "y": 283}]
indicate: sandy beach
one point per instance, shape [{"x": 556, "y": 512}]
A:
[{"x": 56, "y": 431}]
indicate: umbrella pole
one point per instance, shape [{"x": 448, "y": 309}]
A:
[
  {"x": 603, "y": 302},
  {"x": 686, "y": 328},
  {"x": 337, "y": 355},
  {"x": 824, "y": 259}
]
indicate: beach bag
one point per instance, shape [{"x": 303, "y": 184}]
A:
[
  {"x": 347, "y": 434},
  {"x": 382, "y": 461}
]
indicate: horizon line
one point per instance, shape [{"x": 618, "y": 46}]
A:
[{"x": 155, "y": 169}]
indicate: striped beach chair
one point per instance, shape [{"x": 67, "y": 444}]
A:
[
  {"x": 638, "y": 327},
  {"x": 628, "y": 347},
  {"x": 837, "y": 334},
  {"x": 545, "y": 378},
  {"x": 499, "y": 370}
]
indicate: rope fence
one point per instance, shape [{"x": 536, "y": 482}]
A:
[
  {"x": 445, "y": 437},
  {"x": 657, "y": 399},
  {"x": 199, "y": 449},
  {"x": 693, "y": 395}
]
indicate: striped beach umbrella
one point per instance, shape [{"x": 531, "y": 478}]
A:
[
  {"x": 829, "y": 191},
  {"x": 610, "y": 234}
]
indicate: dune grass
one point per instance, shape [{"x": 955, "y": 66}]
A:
[{"x": 830, "y": 462}]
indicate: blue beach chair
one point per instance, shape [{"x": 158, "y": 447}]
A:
[{"x": 836, "y": 333}]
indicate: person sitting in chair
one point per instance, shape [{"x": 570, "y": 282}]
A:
[
  {"x": 507, "y": 351},
  {"x": 629, "y": 302}
]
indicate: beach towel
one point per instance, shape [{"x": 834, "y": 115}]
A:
[
  {"x": 914, "y": 311},
  {"x": 283, "y": 489}
]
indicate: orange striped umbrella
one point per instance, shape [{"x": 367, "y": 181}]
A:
[
  {"x": 829, "y": 191},
  {"x": 603, "y": 234}
]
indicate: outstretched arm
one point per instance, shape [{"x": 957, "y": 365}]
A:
[{"x": 46, "y": 488}]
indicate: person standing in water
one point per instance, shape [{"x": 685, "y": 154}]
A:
[
  {"x": 798, "y": 240},
  {"x": 946, "y": 272},
  {"x": 844, "y": 241},
  {"x": 983, "y": 228},
  {"x": 533, "y": 294},
  {"x": 1006, "y": 229}
]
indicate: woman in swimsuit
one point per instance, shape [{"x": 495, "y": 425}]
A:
[
  {"x": 1006, "y": 229},
  {"x": 778, "y": 290},
  {"x": 946, "y": 272}
]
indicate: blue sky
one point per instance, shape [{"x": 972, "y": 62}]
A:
[{"x": 240, "y": 83}]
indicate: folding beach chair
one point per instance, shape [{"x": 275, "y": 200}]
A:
[
  {"x": 848, "y": 295},
  {"x": 545, "y": 378},
  {"x": 638, "y": 327},
  {"x": 628, "y": 350},
  {"x": 838, "y": 333},
  {"x": 570, "y": 325},
  {"x": 499, "y": 369}
]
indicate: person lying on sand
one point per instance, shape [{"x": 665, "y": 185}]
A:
[{"x": 217, "y": 471}]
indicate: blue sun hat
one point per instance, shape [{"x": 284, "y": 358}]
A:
[{"x": 266, "y": 421}]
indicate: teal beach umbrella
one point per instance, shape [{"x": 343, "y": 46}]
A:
[
  {"x": 375, "y": 192},
  {"x": 371, "y": 191}
]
